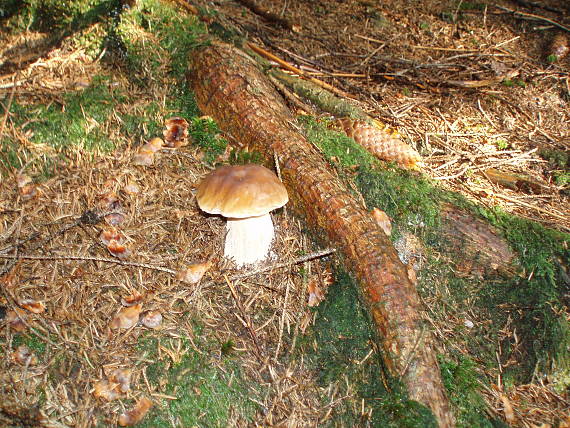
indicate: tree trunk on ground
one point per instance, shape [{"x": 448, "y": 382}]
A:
[{"x": 230, "y": 88}]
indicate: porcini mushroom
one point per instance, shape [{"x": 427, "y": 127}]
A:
[{"x": 245, "y": 195}]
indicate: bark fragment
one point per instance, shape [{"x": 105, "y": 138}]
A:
[
  {"x": 229, "y": 87},
  {"x": 477, "y": 248}
]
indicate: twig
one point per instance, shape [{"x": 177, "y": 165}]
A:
[
  {"x": 246, "y": 319},
  {"x": 282, "y": 321},
  {"x": 88, "y": 217},
  {"x": 7, "y": 110},
  {"x": 480, "y": 83},
  {"x": 533, "y": 16},
  {"x": 292, "y": 68},
  {"x": 267, "y": 15},
  {"x": 537, "y": 5},
  {"x": 542, "y": 210},
  {"x": 5, "y": 119},
  {"x": 88, "y": 259},
  {"x": 307, "y": 258}
]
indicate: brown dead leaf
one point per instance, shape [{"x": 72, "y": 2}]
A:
[
  {"x": 111, "y": 234},
  {"x": 115, "y": 219},
  {"x": 15, "y": 319},
  {"x": 23, "y": 180},
  {"x": 29, "y": 191},
  {"x": 316, "y": 294},
  {"x": 32, "y": 305},
  {"x": 193, "y": 273},
  {"x": 118, "y": 250},
  {"x": 127, "y": 317},
  {"x": 106, "y": 390},
  {"x": 132, "y": 188},
  {"x": 383, "y": 220},
  {"x": 109, "y": 201},
  {"x": 121, "y": 377},
  {"x": 137, "y": 414},
  {"x": 132, "y": 299},
  {"x": 143, "y": 157},
  {"x": 176, "y": 132},
  {"x": 508, "y": 410},
  {"x": 154, "y": 145},
  {"x": 412, "y": 273},
  {"x": 151, "y": 319},
  {"x": 23, "y": 356}
]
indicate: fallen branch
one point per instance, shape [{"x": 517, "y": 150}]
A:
[
  {"x": 230, "y": 87},
  {"x": 319, "y": 96},
  {"x": 287, "y": 66},
  {"x": 299, "y": 260},
  {"x": 87, "y": 259},
  {"x": 267, "y": 15}
]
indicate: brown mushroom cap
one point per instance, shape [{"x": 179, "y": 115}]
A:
[{"x": 241, "y": 191}]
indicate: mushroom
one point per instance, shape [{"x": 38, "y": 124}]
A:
[{"x": 244, "y": 194}]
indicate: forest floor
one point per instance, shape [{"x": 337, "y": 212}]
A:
[{"x": 85, "y": 84}]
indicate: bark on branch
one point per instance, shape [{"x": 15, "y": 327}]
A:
[{"x": 230, "y": 88}]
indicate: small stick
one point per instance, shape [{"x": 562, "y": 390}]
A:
[
  {"x": 272, "y": 57},
  {"x": 538, "y": 5},
  {"x": 88, "y": 259},
  {"x": 88, "y": 217},
  {"x": 533, "y": 16},
  {"x": 295, "y": 70},
  {"x": 247, "y": 320},
  {"x": 5, "y": 119},
  {"x": 7, "y": 110},
  {"x": 303, "y": 259},
  {"x": 542, "y": 210}
]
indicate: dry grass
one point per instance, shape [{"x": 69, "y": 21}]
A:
[{"x": 164, "y": 228}]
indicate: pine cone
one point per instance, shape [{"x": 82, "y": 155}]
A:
[{"x": 382, "y": 142}]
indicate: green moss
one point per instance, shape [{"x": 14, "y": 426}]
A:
[
  {"x": 533, "y": 302},
  {"x": 76, "y": 122},
  {"x": 241, "y": 157},
  {"x": 178, "y": 35},
  {"x": 34, "y": 343},
  {"x": 461, "y": 379},
  {"x": 208, "y": 392},
  {"x": 339, "y": 349},
  {"x": 205, "y": 134}
]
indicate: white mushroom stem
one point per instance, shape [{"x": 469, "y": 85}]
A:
[{"x": 248, "y": 239}]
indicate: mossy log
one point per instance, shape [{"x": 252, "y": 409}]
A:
[{"x": 230, "y": 87}]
